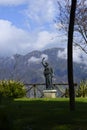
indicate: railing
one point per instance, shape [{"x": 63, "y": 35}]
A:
[{"x": 36, "y": 90}]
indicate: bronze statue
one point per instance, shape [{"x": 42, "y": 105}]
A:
[{"x": 48, "y": 73}]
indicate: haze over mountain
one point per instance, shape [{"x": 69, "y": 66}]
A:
[{"x": 28, "y": 68}]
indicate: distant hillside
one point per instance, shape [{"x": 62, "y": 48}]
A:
[{"x": 28, "y": 68}]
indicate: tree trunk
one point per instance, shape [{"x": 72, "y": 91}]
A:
[{"x": 70, "y": 55}]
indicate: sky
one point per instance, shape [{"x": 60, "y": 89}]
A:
[{"x": 27, "y": 25}]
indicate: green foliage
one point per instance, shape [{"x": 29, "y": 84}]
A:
[
  {"x": 82, "y": 90},
  {"x": 66, "y": 92},
  {"x": 11, "y": 89}
]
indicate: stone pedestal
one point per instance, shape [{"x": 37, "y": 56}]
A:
[{"x": 49, "y": 93}]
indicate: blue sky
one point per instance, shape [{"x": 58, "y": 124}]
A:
[
  {"x": 27, "y": 25},
  {"x": 13, "y": 14}
]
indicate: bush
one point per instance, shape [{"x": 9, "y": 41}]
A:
[
  {"x": 82, "y": 90},
  {"x": 67, "y": 92},
  {"x": 12, "y": 89}
]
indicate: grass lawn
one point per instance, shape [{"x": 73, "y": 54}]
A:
[{"x": 43, "y": 114}]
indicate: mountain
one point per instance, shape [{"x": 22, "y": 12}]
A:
[{"x": 28, "y": 68}]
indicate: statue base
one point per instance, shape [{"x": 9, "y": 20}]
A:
[{"x": 50, "y": 93}]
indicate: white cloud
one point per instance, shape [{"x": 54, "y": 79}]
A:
[
  {"x": 34, "y": 59},
  {"x": 62, "y": 54},
  {"x": 41, "y": 11},
  {"x": 44, "y": 38},
  {"x": 37, "y": 60},
  {"x": 15, "y": 40},
  {"x": 44, "y": 56},
  {"x": 12, "y": 39},
  {"x": 12, "y": 2},
  {"x": 78, "y": 55}
]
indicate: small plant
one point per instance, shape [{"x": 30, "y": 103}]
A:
[{"x": 12, "y": 89}]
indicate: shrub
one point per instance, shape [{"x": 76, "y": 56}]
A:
[
  {"x": 12, "y": 89},
  {"x": 82, "y": 89},
  {"x": 67, "y": 92}
]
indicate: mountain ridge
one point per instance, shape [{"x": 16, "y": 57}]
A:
[{"x": 28, "y": 68}]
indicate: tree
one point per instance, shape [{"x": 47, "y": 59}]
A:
[
  {"x": 70, "y": 53},
  {"x": 80, "y": 37}
]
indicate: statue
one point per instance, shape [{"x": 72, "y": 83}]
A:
[{"x": 48, "y": 73}]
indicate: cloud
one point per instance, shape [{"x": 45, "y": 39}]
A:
[
  {"x": 41, "y": 11},
  {"x": 37, "y": 60},
  {"x": 44, "y": 56},
  {"x": 34, "y": 59},
  {"x": 47, "y": 39},
  {"x": 62, "y": 54},
  {"x": 16, "y": 40},
  {"x": 40, "y": 15},
  {"x": 12, "y": 2},
  {"x": 78, "y": 55},
  {"x": 12, "y": 39},
  {"x": 44, "y": 39}
]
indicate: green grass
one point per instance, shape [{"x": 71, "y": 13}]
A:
[{"x": 43, "y": 114}]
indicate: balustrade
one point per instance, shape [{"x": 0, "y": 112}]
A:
[{"x": 36, "y": 90}]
